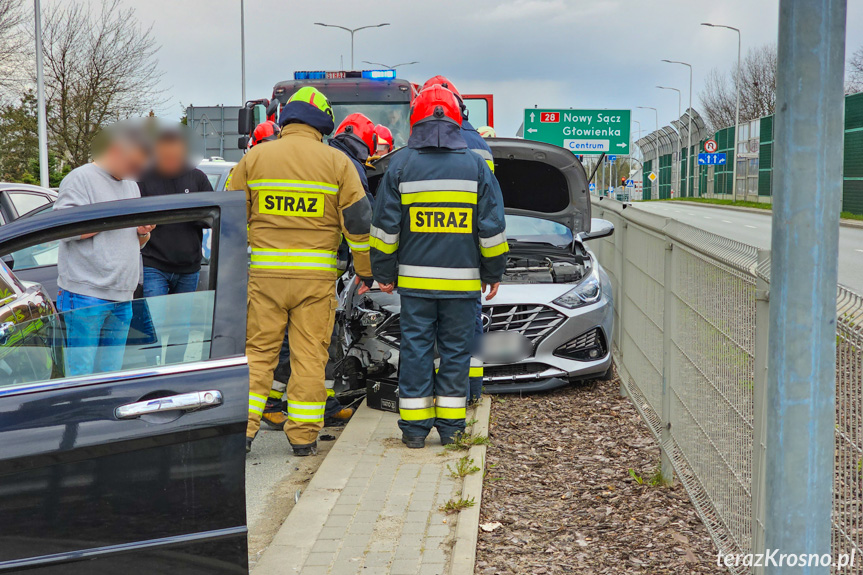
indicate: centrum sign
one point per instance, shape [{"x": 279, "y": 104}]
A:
[{"x": 580, "y": 131}]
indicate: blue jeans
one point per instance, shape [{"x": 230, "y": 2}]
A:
[
  {"x": 96, "y": 331},
  {"x": 158, "y": 283}
]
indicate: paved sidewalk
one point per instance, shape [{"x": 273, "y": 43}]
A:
[{"x": 373, "y": 507}]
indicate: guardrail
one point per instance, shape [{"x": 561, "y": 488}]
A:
[{"x": 690, "y": 346}]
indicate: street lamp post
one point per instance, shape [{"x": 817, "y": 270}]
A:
[
  {"x": 678, "y": 133},
  {"x": 352, "y": 31},
  {"x": 243, "y": 48},
  {"x": 42, "y": 124},
  {"x": 393, "y": 67},
  {"x": 689, "y": 155},
  {"x": 736, "y": 110},
  {"x": 656, "y": 112}
]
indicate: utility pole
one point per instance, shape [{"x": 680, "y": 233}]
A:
[
  {"x": 243, "y": 47},
  {"x": 801, "y": 379},
  {"x": 689, "y": 155},
  {"x": 42, "y": 123},
  {"x": 678, "y": 135},
  {"x": 656, "y": 167},
  {"x": 736, "y": 110}
]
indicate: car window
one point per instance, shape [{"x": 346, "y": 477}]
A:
[
  {"x": 537, "y": 230},
  {"x": 92, "y": 336},
  {"x": 214, "y": 180},
  {"x": 7, "y": 290},
  {"x": 143, "y": 333},
  {"x": 36, "y": 256},
  {"x": 26, "y": 202}
]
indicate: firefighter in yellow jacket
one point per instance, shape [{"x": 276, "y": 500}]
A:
[{"x": 302, "y": 196}]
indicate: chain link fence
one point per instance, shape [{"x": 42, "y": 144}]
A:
[{"x": 690, "y": 345}]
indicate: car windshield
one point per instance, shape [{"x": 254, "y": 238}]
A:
[
  {"x": 395, "y": 116},
  {"x": 537, "y": 230}
]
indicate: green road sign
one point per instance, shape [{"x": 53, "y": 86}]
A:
[{"x": 580, "y": 131}]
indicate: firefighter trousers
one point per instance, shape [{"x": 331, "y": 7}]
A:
[
  {"x": 307, "y": 309},
  {"x": 428, "y": 398}
]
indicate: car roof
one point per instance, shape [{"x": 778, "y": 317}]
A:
[{"x": 12, "y": 186}]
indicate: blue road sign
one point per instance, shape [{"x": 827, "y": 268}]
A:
[
  {"x": 712, "y": 159},
  {"x": 592, "y": 187},
  {"x": 630, "y": 183},
  {"x": 610, "y": 189},
  {"x": 611, "y": 159}
]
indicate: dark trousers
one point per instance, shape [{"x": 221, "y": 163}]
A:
[
  {"x": 429, "y": 398},
  {"x": 475, "y": 388}
]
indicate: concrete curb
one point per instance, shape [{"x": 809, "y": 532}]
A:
[
  {"x": 293, "y": 542},
  {"x": 842, "y": 222},
  {"x": 463, "y": 556}
]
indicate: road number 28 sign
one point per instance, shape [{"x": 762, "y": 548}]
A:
[
  {"x": 549, "y": 117},
  {"x": 710, "y": 146}
]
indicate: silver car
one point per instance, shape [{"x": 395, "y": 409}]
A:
[{"x": 551, "y": 321}]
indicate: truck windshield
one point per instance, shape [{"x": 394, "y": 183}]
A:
[{"x": 395, "y": 116}]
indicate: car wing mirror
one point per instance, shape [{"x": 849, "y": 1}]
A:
[{"x": 599, "y": 228}]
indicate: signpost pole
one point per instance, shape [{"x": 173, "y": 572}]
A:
[{"x": 801, "y": 378}]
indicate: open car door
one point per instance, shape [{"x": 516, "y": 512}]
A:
[{"x": 137, "y": 468}]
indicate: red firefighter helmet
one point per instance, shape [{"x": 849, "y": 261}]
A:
[
  {"x": 435, "y": 103},
  {"x": 385, "y": 140},
  {"x": 265, "y": 132},
  {"x": 360, "y": 127},
  {"x": 443, "y": 81}
]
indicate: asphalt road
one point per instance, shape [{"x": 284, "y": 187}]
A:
[{"x": 754, "y": 229}]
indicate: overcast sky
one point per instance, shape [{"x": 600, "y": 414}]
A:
[{"x": 554, "y": 53}]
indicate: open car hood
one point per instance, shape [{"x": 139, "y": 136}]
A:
[{"x": 537, "y": 179}]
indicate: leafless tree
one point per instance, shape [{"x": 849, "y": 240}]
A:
[
  {"x": 854, "y": 76},
  {"x": 12, "y": 43},
  {"x": 100, "y": 66},
  {"x": 757, "y": 89}
]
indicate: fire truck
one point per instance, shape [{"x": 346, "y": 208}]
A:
[{"x": 378, "y": 94}]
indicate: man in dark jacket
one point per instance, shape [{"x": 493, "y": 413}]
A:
[{"x": 172, "y": 257}]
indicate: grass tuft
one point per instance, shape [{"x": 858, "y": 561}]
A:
[
  {"x": 463, "y": 467},
  {"x": 456, "y": 505}
]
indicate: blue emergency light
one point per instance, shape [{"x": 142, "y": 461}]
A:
[
  {"x": 366, "y": 74},
  {"x": 379, "y": 74},
  {"x": 309, "y": 75}
]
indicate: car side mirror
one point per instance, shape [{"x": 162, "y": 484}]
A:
[{"x": 599, "y": 228}]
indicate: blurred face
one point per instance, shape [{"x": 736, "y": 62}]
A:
[
  {"x": 170, "y": 156},
  {"x": 383, "y": 149},
  {"x": 125, "y": 160}
]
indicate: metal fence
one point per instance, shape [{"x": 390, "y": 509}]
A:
[{"x": 690, "y": 345}]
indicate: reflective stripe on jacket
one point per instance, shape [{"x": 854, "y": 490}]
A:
[
  {"x": 477, "y": 144},
  {"x": 301, "y": 197},
  {"x": 438, "y": 229}
]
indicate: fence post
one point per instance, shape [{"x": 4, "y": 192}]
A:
[
  {"x": 666, "y": 466},
  {"x": 759, "y": 412},
  {"x": 619, "y": 270},
  {"x": 801, "y": 381}
]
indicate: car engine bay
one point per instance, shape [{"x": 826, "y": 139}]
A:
[{"x": 533, "y": 264}]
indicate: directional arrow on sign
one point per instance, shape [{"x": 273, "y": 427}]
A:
[
  {"x": 532, "y": 130},
  {"x": 532, "y": 117},
  {"x": 622, "y": 145}
]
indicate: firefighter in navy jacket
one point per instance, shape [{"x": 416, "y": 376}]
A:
[
  {"x": 477, "y": 144},
  {"x": 438, "y": 233}
]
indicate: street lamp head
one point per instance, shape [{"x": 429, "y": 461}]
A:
[{"x": 708, "y": 24}]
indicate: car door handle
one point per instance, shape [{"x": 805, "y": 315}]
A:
[{"x": 182, "y": 402}]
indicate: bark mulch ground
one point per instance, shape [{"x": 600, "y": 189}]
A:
[{"x": 559, "y": 484}]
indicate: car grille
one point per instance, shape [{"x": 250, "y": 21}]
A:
[
  {"x": 532, "y": 321},
  {"x": 513, "y": 370}
]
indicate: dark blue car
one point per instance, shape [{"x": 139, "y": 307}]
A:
[{"x": 139, "y": 469}]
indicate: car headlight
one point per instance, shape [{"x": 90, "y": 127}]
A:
[{"x": 587, "y": 292}]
